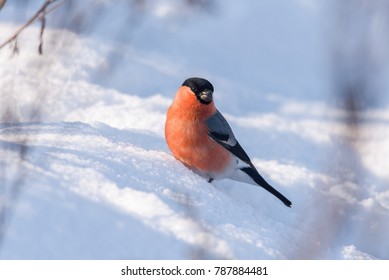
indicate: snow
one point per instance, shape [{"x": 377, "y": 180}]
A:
[
  {"x": 86, "y": 172},
  {"x": 351, "y": 253}
]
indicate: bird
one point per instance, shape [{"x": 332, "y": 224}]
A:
[{"x": 200, "y": 137}]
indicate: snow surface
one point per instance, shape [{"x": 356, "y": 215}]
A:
[{"x": 97, "y": 181}]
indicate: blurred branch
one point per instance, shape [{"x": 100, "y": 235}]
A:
[
  {"x": 357, "y": 47},
  {"x": 8, "y": 198},
  {"x": 15, "y": 153},
  {"x": 2, "y": 3},
  {"x": 39, "y": 15}
]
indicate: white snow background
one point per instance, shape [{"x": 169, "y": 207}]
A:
[{"x": 96, "y": 180}]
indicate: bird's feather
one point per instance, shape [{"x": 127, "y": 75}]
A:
[{"x": 221, "y": 132}]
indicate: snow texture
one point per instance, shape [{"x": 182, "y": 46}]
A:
[{"x": 86, "y": 172}]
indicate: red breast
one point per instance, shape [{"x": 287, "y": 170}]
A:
[{"x": 186, "y": 134}]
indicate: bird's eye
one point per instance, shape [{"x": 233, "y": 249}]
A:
[{"x": 193, "y": 88}]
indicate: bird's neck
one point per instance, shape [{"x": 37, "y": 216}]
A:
[{"x": 188, "y": 105}]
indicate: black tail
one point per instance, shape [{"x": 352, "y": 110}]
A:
[{"x": 253, "y": 173}]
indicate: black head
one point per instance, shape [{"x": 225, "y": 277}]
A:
[{"x": 201, "y": 88}]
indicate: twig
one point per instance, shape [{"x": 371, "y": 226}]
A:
[
  {"x": 43, "y": 25},
  {"x": 15, "y": 49},
  {"x": 41, "y": 13}
]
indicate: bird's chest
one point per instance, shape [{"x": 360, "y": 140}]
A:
[
  {"x": 193, "y": 135},
  {"x": 192, "y": 145}
]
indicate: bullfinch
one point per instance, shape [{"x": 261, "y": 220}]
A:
[{"x": 200, "y": 137}]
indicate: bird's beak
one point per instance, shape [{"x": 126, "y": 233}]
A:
[{"x": 206, "y": 96}]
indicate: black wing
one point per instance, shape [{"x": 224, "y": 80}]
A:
[{"x": 221, "y": 132}]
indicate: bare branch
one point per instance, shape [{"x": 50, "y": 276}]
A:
[{"x": 41, "y": 13}]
